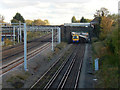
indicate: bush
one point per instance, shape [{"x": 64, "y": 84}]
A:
[
  {"x": 99, "y": 49},
  {"x": 8, "y": 42},
  {"x": 94, "y": 39},
  {"x": 112, "y": 41}
]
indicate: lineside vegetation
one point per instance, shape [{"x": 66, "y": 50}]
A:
[{"x": 105, "y": 47}]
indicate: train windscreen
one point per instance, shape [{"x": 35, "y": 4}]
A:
[{"x": 75, "y": 37}]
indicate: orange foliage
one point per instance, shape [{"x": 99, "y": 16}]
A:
[{"x": 106, "y": 24}]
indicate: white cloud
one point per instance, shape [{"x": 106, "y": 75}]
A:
[{"x": 57, "y": 12}]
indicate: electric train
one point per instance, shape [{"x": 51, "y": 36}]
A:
[{"x": 75, "y": 38}]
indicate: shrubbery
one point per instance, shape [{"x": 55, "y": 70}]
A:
[{"x": 105, "y": 47}]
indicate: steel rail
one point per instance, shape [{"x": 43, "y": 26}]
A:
[
  {"x": 66, "y": 74},
  {"x": 32, "y": 87},
  {"x": 30, "y": 55},
  {"x": 79, "y": 71},
  {"x": 45, "y": 73},
  {"x": 57, "y": 72},
  {"x": 62, "y": 83}
]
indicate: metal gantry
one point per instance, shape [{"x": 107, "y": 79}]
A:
[
  {"x": 0, "y": 56},
  {"x": 15, "y": 25},
  {"x": 47, "y": 28},
  {"x": 22, "y": 27},
  {"x": 25, "y": 47}
]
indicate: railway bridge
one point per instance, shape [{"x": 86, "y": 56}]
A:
[{"x": 68, "y": 28}]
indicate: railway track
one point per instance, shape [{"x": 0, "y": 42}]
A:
[
  {"x": 17, "y": 62},
  {"x": 33, "y": 49},
  {"x": 12, "y": 53},
  {"x": 67, "y": 75}
]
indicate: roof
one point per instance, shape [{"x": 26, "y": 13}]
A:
[
  {"x": 95, "y": 20},
  {"x": 77, "y": 24}
]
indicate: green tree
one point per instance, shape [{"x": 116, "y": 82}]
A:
[
  {"x": 73, "y": 19},
  {"x": 83, "y": 20},
  {"x": 112, "y": 41},
  {"x": 18, "y": 18}
]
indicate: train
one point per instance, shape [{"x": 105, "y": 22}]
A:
[
  {"x": 82, "y": 38},
  {"x": 75, "y": 38}
]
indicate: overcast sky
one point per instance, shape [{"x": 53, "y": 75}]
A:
[{"x": 57, "y": 12}]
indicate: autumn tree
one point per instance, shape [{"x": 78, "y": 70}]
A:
[
  {"x": 46, "y": 22},
  {"x": 18, "y": 17},
  {"x": 29, "y": 22},
  {"x": 114, "y": 17},
  {"x": 39, "y": 22},
  {"x": 100, "y": 16},
  {"x": 77, "y": 21},
  {"x": 106, "y": 24}
]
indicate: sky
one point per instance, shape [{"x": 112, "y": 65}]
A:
[{"x": 56, "y": 11}]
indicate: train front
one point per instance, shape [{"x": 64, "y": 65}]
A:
[{"x": 75, "y": 38}]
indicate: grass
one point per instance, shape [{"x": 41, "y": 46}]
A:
[
  {"x": 107, "y": 76},
  {"x": 56, "y": 50},
  {"x": 8, "y": 42},
  {"x": 17, "y": 80},
  {"x": 98, "y": 49},
  {"x": 95, "y": 39},
  {"x": 30, "y": 36},
  {"x": 33, "y": 35},
  {"x": 17, "y": 77}
]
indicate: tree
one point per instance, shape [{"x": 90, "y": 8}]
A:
[
  {"x": 39, "y": 22},
  {"x": 88, "y": 20},
  {"x": 18, "y": 18},
  {"x": 46, "y": 22},
  {"x": 73, "y": 19},
  {"x": 114, "y": 17},
  {"x": 83, "y": 20},
  {"x": 77, "y": 21},
  {"x": 102, "y": 12},
  {"x": 106, "y": 24},
  {"x": 100, "y": 16},
  {"x": 29, "y": 22}
]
